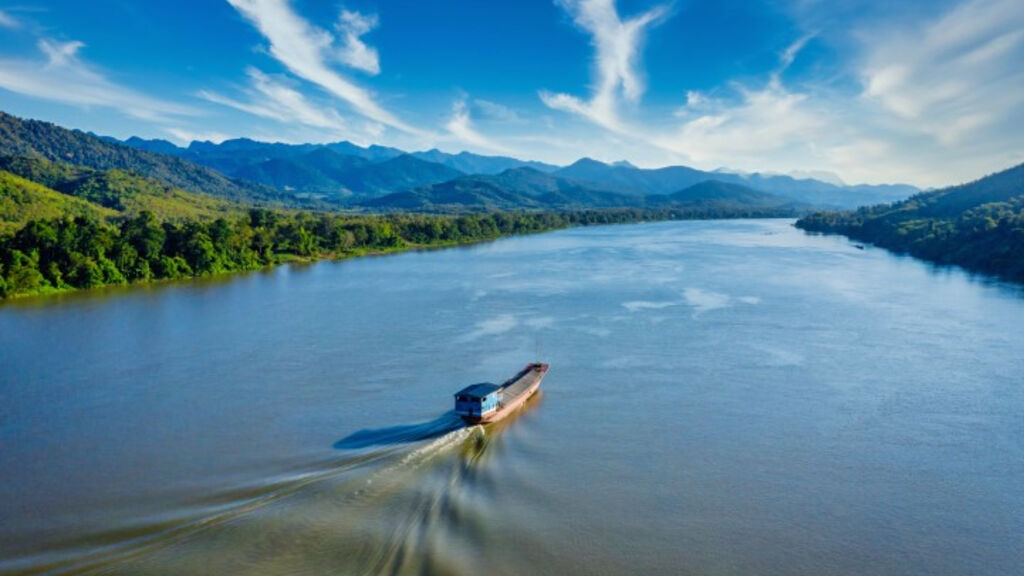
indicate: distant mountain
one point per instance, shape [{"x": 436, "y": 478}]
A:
[
  {"x": 373, "y": 153},
  {"x": 628, "y": 179},
  {"x": 156, "y": 145},
  {"x": 631, "y": 180},
  {"x": 514, "y": 189},
  {"x": 470, "y": 163},
  {"x": 398, "y": 173},
  {"x": 724, "y": 194},
  {"x": 286, "y": 167},
  {"x": 978, "y": 225},
  {"x": 529, "y": 189},
  {"x": 337, "y": 170},
  {"x": 44, "y": 140}
]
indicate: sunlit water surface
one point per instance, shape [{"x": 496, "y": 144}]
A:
[{"x": 731, "y": 397}]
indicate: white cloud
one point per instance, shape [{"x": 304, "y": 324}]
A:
[
  {"x": 60, "y": 53},
  {"x": 941, "y": 101},
  {"x": 765, "y": 126},
  {"x": 305, "y": 50},
  {"x": 63, "y": 77},
  {"x": 953, "y": 76},
  {"x": 460, "y": 125},
  {"x": 495, "y": 111},
  {"x": 8, "y": 21},
  {"x": 354, "y": 52},
  {"x": 617, "y": 44},
  {"x": 274, "y": 100}
]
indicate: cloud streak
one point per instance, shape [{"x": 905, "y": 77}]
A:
[
  {"x": 8, "y": 21},
  {"x": 953, "y": 76},
  {"x": 460, "y": 125},
  {"x": 62, "y": 76},
  {"x": 271, "y": 99},
  {"x": 306, "y": 51},
  {"x": 617, "y": 45}
]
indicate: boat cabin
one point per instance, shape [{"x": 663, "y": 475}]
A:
[{"x": 477, "y": 399}]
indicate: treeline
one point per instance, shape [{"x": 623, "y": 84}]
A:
[
  {"x": 988, "y": 238},
  {"x": 82, "y": 252}
]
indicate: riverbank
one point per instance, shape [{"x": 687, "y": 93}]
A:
[{"x": 47, "y": 257}]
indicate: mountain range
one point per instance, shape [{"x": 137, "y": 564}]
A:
[{"x": 343, "y": 175}]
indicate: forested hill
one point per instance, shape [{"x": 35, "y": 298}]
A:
[
  {"x": 979, "y": 225},
  {"x": 41, "y": 139},
  {"x": 32, "y": 187}
]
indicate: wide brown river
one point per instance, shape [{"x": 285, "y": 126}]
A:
[{"x": 730, "y": 397}]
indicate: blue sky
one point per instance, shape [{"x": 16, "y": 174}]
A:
[{"x": 927, "y": 92}]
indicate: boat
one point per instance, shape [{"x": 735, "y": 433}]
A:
[{"x": 484, "y": 402}]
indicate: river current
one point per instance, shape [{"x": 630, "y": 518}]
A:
[{"x": 725, "y": 397}]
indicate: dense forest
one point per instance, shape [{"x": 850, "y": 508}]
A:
[
  {"x": 979, "y": 225},
  {"x": 59, "y": 254}
]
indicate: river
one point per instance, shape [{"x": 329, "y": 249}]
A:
[{"x": 725, "y": 397}]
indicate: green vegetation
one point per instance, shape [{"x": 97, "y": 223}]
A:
[
  {"x": 53, "y": 255},
  {"x": 116, "y": 190},
  {"x": 22, "y": 200},
  {"x": 979, "y": 225}
]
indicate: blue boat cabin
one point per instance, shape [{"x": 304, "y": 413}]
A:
[{"x": 477, "y": 399}]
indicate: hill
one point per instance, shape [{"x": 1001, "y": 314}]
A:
[
  {"x": 117, "y": 191},
  {"x": 978, "y": 225},
  {"x": 44, "y": 140},
  {"x": 22, "y": 200}
]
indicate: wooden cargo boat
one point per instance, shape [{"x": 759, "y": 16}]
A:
[{"x": 485, "y": 402}]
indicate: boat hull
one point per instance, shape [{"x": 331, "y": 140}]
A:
[{"x": 509, "y": 405}]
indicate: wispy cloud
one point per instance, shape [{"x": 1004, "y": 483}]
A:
[
  {"x": 932, "y": 88},
  {"x": 60, "y": 54},
  {"x": 354, "y": 52},
  {"x": 8, "y": 21},
  {"x": 494, "y": 111},
  {"x": 62, "y": 76},
  {"x": 765, "y": 124},
  {"x": 952, "y": 76},
  {"x": 460, "y": 125},
  {"x": 617, "y": 44},
  {"x": 269, "y": 98},
  {"x": 306, "y": 51}
]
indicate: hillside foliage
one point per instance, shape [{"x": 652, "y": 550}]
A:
[{"x": 979, "y": 225}]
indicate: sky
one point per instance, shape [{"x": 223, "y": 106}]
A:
[{"x": 927, "y": 92}]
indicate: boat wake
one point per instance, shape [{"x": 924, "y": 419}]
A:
[
  {"x": 379, "y": 465},
  {"x": 406, "y": 499},
  {"x": 444, "y": 424}
]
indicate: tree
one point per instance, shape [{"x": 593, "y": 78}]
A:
[{"x": 23, "y": 275}]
